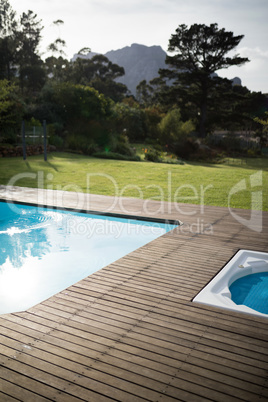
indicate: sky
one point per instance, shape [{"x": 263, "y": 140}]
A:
[{"x": 104, "y": 25}]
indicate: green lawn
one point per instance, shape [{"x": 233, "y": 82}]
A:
[{"x": 194, "y": 183}]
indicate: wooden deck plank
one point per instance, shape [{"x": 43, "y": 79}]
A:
[
  {"x": 14, "y": 392},
  {"x": 159, "y": 325},
  {"x": 76, "y": 370},
  {"x": 12, "y": 343},
  {"x": 77, "y": 380},
  {"x": 5, "y": 397},
  {"x": 130, "y": 331},
  {"x": 16, "y": 383}
]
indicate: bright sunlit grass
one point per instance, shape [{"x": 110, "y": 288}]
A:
[{"x": 194, "y": 183}]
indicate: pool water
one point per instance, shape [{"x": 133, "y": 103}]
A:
[
  {"x": 43, "y": 251},
  {"x": 252, "y": 291}
]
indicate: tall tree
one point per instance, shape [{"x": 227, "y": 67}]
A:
[
  {"x": 8, "y": 25},
  {"x": 262, "y": 134},
  {"x": 28, "y": 37},
  {"x": 7, "y": 19},
  {"x": 200, "y": 51},
  {"x": 57, "y": 68},
  {"x": 100, "y": 73},
  {"x": 11, "y": 108},
  {"x": 58, "y": 45},
  {"x": 144, "y": 93}
]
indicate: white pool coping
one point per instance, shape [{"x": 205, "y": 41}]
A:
[{"x": 216, "y": 292}]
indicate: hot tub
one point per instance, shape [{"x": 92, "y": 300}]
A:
[{"x": 245, "y": 263}]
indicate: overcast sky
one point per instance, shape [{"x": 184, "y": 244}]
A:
[{"x": 104, "y": 25}]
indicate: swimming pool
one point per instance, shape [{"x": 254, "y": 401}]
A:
[
  {"x": 242, "y": 285},
  {"x": 44, "y": 250}
]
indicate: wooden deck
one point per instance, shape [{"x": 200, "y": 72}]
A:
[{"x": 130, "y": 332}]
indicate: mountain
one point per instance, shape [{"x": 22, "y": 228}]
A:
[{"x": 140, "y": 63}]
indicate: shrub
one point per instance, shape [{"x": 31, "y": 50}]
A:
[
  {"x": 173, "y": 130},
  {"x": 130, "y": 120},
  {"x": 253, "y": 152},
  {"x": 153, "y": 155},
  {"x": 80, "y": 143},
  {"x": 229, "y": 142},
  {"x": 77, "y": 143},
  {"x": 185, "y": 149},
  {"x": 33, "y": 123},
  {"x": 122, "y": 146},
  {"x": 153, "y": 117},
  {"x": 91, "y": 148},
  {"x": 9, "y": 136},
  {"x": 115, "y": 155},
  {"x": 124, "y": 149},
  {"x": 57, "y": 141}
]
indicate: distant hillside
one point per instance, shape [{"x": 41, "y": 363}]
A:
[{"x": 140, "y": 63}]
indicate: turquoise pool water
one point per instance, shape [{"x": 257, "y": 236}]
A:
[
  {"x": 43, "y": 250},
  {"x": 252, "y": 291}
]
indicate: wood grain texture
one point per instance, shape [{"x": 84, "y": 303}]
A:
[{"x": 130, "y": 332}]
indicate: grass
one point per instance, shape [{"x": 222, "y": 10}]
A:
[{"x": 194, "y": 183}]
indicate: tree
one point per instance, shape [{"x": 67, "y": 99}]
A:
[
  {"x": 153, "y": 116},
  {"x": 200, "y": 51},
  {"x": 262, "y": 134},
  {"x": 8, "y": 25},
  {"x": 173, "y": 130},
  {"x": 83, "y": 111},
  {"x": 144, "y": 93},
  {"x": 246, "y": 106},
  {"x": 100, "y": 73},
  {"x": 58, "y": 45},
  {"x": 84, "y": 51},
  {"x": 7, "y": 19},
  {"x": 11, "y": 108},
  {"x": 28, "y": 36},
  {"x": 57, "y": 68},
  {"x": 129, "y": 120},
  {"x": 70, "y": 104}
]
